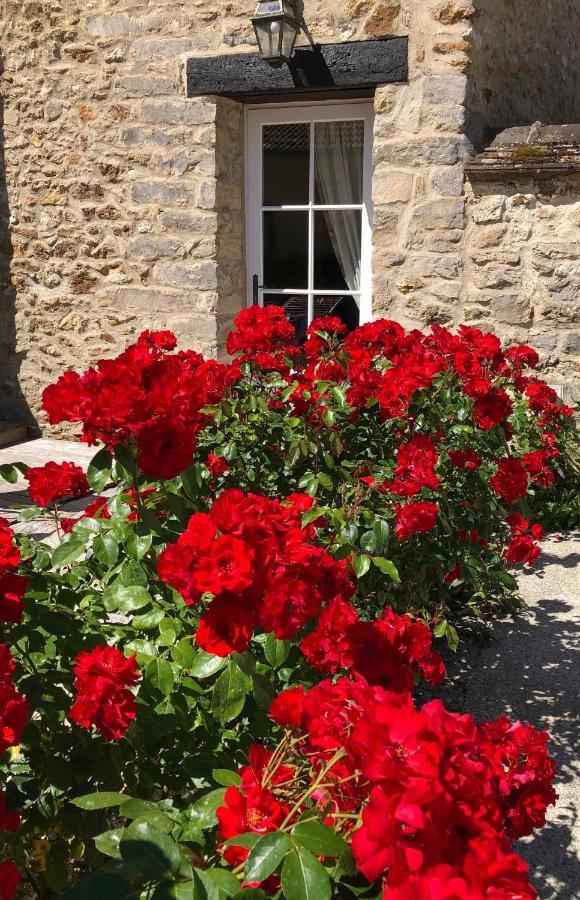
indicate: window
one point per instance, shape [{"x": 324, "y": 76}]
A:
[{"x": 308, "y": 209}]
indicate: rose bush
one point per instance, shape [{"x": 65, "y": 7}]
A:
[{"x": 206, "y": 686}]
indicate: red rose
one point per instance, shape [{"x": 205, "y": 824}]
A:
[
  {"x": 492, "y": 408},
  {"x": 103, "y": 677},
  {"x": 288, "y": 708},
  {"x": 522, "y": 549},
  {"x": 465, "y": 459},
  {"x": 415, "y": 518},
  {"x": 12, "y": 591},
  {"x": 7, "y": 665},
  {"x": 9, "y": 552},
  {"x": 14, "y": 713},
  {"x": 521, "y": 356},
  {"x": 56, "y": 481},
  {"x": 227, "y": 626},
  {"x": 511, "y": 480},
  {"x": 166, "y": 448},
  {"x": 217, "y": 465},
  {"x": 9, "y": 880},
  {"x": 415, "y": 469}
]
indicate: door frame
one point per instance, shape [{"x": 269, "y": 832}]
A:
[{"x": 258, "y": 115}]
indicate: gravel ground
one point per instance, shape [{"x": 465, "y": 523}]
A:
[{"x": 530, "y": 672}]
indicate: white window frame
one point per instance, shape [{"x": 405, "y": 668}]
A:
[{"x": 256, "y": 117}]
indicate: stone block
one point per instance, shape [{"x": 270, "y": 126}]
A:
[
  {"x": 151, "y": 300},
  {"x": 493, "y": 276},
  {"x": 140, "y": 85},
  {"x": 164, "y": 192},
  {"x": 489, "y": 210},
  {"x": 163, "y": 48},
  {"x": 150, "y": 248},
  {"x": 543, "y": 339},
  {"x": 161, "y": 137},
  {"x": 382, "y": 19},
  {"x": 448, "y": 181},
  {"x": 448, "y": 89},
  {"x": 572, "y": 343},
  {"x": 437, "y": 267},
  {"x": 392, "y": 187},
  {"x": 440, "y": 214},
  {"x": 490, "y": 237},
  {"x": 417, "y": 152},
  {"x": 191, "y": 220},
  {"x": 449, "y": 13},
  {"x": 200, "y": 276},
  {"x": 175, "y": 162},
  {"x": 178, "y": 112},
  {"x": 511, "y": 309},
  {"x": 500, "y": 257}
]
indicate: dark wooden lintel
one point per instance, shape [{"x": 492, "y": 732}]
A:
[{"x": 324, "y": 69}]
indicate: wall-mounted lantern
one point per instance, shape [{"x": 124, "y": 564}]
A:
[{"x": 276, "y": 25}]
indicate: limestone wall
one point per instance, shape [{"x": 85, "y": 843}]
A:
[
  {"x": 121, "y": 201},
  {"x": 522, "y": 270}
]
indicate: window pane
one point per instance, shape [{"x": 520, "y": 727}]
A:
[
  {"x": 337, "y": 249},
  {"x": 346, "y": 308},
  {"x": 295, "y": 307},
  {"x": 339, "y": 162},
  {"x": 285, "y": 249},
  {"x": 286, "y": 164}
]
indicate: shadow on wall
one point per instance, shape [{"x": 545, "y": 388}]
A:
[
  {"x": 530, "y": 672},
  {"x": 13, "y": 405},
  {"x": 524, "y": 62}
]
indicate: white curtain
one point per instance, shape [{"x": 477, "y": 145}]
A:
[{"x": 339, "y": 176}]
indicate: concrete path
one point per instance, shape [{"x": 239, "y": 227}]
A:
[{"x": 530, "y": 672}]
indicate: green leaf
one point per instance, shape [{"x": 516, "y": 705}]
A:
[
  {"x": 126, "y": 599},
  {"x": 225, "y": 777},
  {"x": 304, "y": 878},
  {"x": 184, "y": 653},
  {"x": 276, "y": 651},
  {"x": 149, "y": 852},
  {"x": 99, "y": 471},
  {"x": 148, "y": 621},
  {"x": 30, "y": 512},
  {"x": 113, "y": 887},
  {"x": 160, "y": 674},
  {"x": 106, "y": 548},
  {"x": 224, "y": 880},
  {"x": 264, "y": 691},
  {"x": 203, "y": 810},
  {"x": 313, "y": 515},
  {"x": 108, "y": 842},
  {"x": 149, "y": 811},
  {"x": 9, "y": 473},
  {"x": 319, "y": 839},
  {"x": 206, "y": 664},
  {"x": 265, "y": 856},
  {"x": 183, "y": 890},
  {"x": 68, "y": 553},
  {"x": 368, "y": 541},
  {"x": 229, "y": 693},
  {"x": 452, "y": 638},
  {"x": 102, "y": 800},
  {"x": 138, "y": 545},
  {"x": 246, "y": 840},
  {"x": 387, "y": 568},
  {"x": 440, "y": 629},
  {"x": 361, "y": 564}
]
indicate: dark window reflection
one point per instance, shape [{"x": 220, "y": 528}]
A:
[
  {"x": 286, "y": 249},
  {"x": 286, "y": 165}
]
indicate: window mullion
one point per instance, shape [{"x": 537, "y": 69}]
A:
[{"x": 311, "y": 229}]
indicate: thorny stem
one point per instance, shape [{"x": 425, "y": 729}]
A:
[{"x": 313, "y": 787}]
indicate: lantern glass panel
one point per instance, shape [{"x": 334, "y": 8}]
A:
[{"x": 290, "y": 33}]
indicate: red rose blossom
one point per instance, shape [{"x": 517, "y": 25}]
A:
[
  {"x": 103, "y": 679},
  {"x": 9, "y": 880},
  {"x": 55, "y": 482},
  {"x": 415, "y": 518},
  {"x": 511, "y": 480},
  {"x": 12, "y": 591}
]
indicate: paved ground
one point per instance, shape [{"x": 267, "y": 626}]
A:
[{"x": 530, "y": 672}]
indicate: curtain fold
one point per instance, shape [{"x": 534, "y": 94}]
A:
[{"x": 339, "y": 178}]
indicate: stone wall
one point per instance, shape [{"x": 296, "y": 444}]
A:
[
  {"x": 525, "y": 62},
  {"x": 121, "y": 202},
  {"x": 522, "y": 270}
]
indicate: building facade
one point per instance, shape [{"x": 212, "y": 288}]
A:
[{"x": 132, "y": 198}]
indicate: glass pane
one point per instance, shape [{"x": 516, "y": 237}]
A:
[
  {"x": 286, "y": 249},
  {"x": 286, "y": 164},
  {"x": 295, "y": 307},
  {"x": 337, "y": 249},
  {"x": 339, "y": 162},
  {"x": 346, "y": 308}
]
